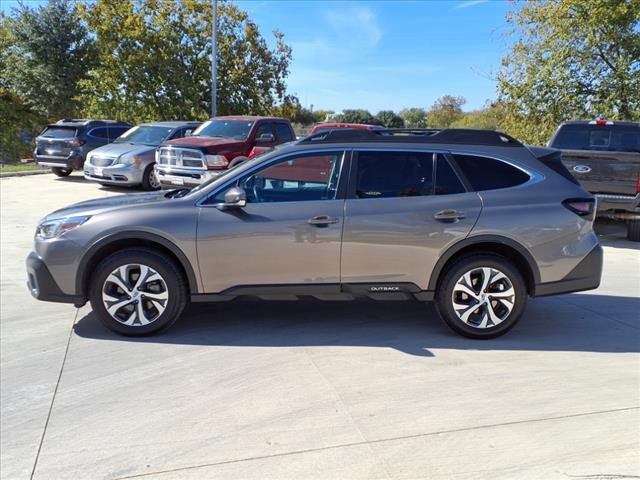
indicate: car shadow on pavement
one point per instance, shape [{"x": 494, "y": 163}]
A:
[{"x": 549, "y": 324}]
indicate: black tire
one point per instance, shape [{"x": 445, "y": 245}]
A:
[
  {"x": 61, "y": 172},
  {"x": 467, "y": 263},
  {"x": 147, "y": 179},
  {"x": 633, "y": 230},
  {"x": 170, "y": 273}
]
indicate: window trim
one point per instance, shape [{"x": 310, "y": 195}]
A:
[
  {"x": 351, "y": 190},
  {"x": 343, "y": 175},
  {"x": 534, "y": 175}
]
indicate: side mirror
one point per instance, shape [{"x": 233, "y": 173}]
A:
[
  {"x": 235, "y": 197},
  {"x": 266, "y": 138}
]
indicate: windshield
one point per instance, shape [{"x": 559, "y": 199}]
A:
[
  {"x": 237, "y": 129},
  {"x": 620, "y": 138},
  {"x": 144, "y": 135}
]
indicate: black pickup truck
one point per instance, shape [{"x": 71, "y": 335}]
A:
[{"x": 604, "y": 156}]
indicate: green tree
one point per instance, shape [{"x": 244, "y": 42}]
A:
[
  {"x": 48, "y": 52},
  {"x": 488, "y": 118},
  {"x": 389, "y": 119},
  {"x": 572, "y": 59},
  {"x": 445, "y": 110},
  {"x": 355, "y": 116},
  {"x": 154, "y": 61},
  {"x": 414, "y": 117}
]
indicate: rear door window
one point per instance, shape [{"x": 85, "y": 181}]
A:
[
  {"x": 283, "y": 132},
  {"x": 101, "y": 133},
  {"x": 447, "y": 181},
  {"x": 621, "y": 138},
  {"x": 59, "y": 132},
  {"x": 115, "y": 132},
  {"x": 485, "y": 173},
  {"x": 385, "y": 174}
]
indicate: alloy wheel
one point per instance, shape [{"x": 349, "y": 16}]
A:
[
  {"x": 153, "y": 180},
  {"x": 483, "y": 297},
  {"x": 135, "y": 295}
]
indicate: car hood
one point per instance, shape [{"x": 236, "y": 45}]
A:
[
  {"x": 207, "y": 143},
  {"x": 101, "y": 205},
  {"x": 117, "y": 149}
]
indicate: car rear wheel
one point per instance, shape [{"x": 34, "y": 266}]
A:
[
  {"x": 138, "y": 292},
  {"x": 633, "y": 230},
  {"x": 481, "y": 296},
  {"x": 150, "y": 179},
  {"x": 61, "y": 172}
]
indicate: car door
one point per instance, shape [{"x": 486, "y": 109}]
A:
[
  {"x": 403, "y": 209},
  {"x": 288, "y": 234}
]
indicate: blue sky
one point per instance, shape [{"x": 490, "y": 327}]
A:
[
  {"x": 388, "y": 54},
  {"x": 385, "y": 54}
]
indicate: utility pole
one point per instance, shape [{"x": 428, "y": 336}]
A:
[{"x": 214, "y": 56}]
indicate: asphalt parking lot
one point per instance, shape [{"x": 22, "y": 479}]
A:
[{"x": 309, "y": 389}]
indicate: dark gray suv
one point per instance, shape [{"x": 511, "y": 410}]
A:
[
  {"x": 472, "y": 219},
  {"x": 64, "y": 145}
]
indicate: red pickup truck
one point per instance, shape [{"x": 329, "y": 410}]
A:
[{"x": 216, "y": 146}]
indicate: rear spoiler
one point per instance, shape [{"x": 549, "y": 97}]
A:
[{"x": 552, "y": 158}]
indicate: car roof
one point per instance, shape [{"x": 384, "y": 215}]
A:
[
  {"x": 85, "y": 122},
  {"x": 591, "y": 122},
  {"x": 251, "y": 118},
  {"x": 172, "y": 123}
]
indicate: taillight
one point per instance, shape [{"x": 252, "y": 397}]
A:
[
  {"x": 638, "y": 185},
  {"x": 216, "y": 162},
  {"x": 257, "y": 151},
  {"x": 76, "y": 142},
  {"x": 583, "y": 207}
]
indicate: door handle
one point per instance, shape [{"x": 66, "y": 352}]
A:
[
  {"x": 449, "y": 215},
  {"x": 322, "y": 220}
]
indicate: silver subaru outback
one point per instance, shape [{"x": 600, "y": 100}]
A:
[
  {"x": 471, "y": 219},
  {"x": 130, "y": 159}
]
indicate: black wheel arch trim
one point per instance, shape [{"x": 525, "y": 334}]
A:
[
  {"x": 477, "y": 240},
  {"x": 134, "y": 235}
]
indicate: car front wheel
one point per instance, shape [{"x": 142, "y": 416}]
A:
[
  {"x": 61, "y": 172},
  {"x": 481, "y": 296},
  {"x": 138, "y": 292},
  {"x": 150, "y": 179}
]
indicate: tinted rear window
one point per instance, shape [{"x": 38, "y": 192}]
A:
[
  {"x": 489, "y": 174},
  {"x": 621, "y": 138},
  {"x": 394, "y": 174},
  {"x": 59, "y": 132}
]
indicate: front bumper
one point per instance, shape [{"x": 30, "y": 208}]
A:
[
  {"x": 114, "y": 175},
  {"x": 172, "y": 177},
  {"x": 42, "y": 285},
  {"x": 585, "y": 276}
]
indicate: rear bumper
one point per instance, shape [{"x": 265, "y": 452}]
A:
[
  {"x": 74, "y": 161},
  {"x": 610, "y": 202},
  {"x": 42, "y": 285},
  {"x": 585, "y": 276},
  {"x": 171, "y": 177}
]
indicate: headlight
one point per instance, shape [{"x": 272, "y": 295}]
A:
[
  {"x": 56, "y": 227},
  {"x": 129, "y": 159},
  {"x": 216, "y": 161}
]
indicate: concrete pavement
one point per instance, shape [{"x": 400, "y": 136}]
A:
[{"x": 310, "y": 389}]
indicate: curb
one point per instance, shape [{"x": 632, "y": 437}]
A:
[{"x": 24, "y": 174}]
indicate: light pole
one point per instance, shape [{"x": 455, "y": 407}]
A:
[{"x": 214, "y": 56}]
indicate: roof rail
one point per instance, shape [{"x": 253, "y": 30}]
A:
[{"x": 463, "y": 136}]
